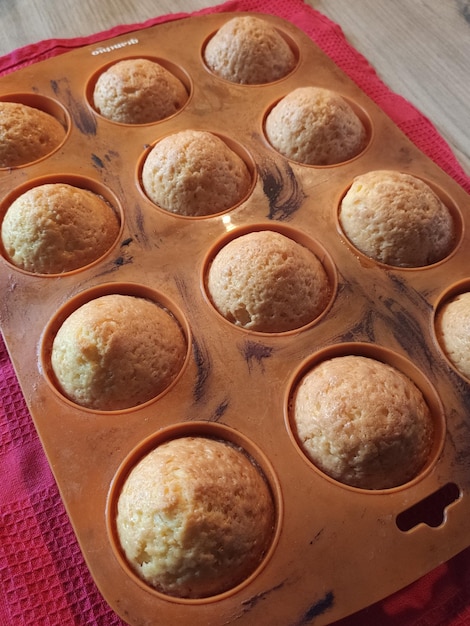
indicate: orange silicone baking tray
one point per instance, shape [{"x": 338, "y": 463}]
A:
[{"x": 336, "y": 549}]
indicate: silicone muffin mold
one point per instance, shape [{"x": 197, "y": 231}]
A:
[{"x": 335, "y": 548}]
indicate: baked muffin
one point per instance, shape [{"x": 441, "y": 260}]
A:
[
  {"x": 116, "y": 352},
  {"x": 363, "y": 422},
  {"x": 195, "y": 517},
  {"x": 267, "y": 282},
  {"x": 195, "y": 173},
  {"x": 397, "y": 219},
  {"x": 138, "y": 91},
  {"x": 315, "y": 126},
  {"x": 26, "y": 134},
  {"x": 56, "y": 227},
  {"x": 248, "y": 50},
  {"x": 453, "y": 332}
]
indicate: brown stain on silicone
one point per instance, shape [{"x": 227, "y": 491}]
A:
[
  {"x": 282, "y": 189},
  {"x": 82, "y": 118}
]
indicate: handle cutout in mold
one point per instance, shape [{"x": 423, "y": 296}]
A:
[{"x": 431, "y": 510}]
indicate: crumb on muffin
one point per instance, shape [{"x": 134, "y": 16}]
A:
[
  {"x": 57, "y": 227},
  {"x": 453, "y": 332},
  {"x": 27, "y": 134},
  {"x": 397, "y": 219},
  {"x": 248, "y": 50},
  {"x": 363, "y": 422},
  {"x": 268, "y": 282},
  {"x": 195, "y": 517},
  {"x": 315, "y": 126},
  {"x": 195, "y": 173},
  {"x": 138, "y": 91},
  {"x": 116, "y": 352}
]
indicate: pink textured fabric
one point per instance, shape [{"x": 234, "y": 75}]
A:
[{"x": 44, "y": 580}]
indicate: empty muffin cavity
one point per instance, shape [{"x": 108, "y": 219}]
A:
[
  {"x": 398, "y": 219},
  {"x": 56, "y": 225},
  {"x": 194, "y": 173},
  {"x": 365, "y": 417},
  {"x": 269, "y": 280},
  {"x": 138, "y": 90},
  {"x": 316, "y": 126},
  {"x": 115, "y": 347},
  {"x": 192, "y": 513},
  {"x": 31, "y": 128},
  {"x": 248, "y": 50}
]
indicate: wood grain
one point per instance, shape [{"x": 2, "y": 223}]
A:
[{"x": 420, "y": 48}]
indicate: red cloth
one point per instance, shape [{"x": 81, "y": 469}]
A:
[{"x": 44, "y": 580}]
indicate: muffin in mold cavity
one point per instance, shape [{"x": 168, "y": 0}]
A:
[
  {"x": 27, "y": 134},
  {"x": 452, "y": 327},
  {"x": 397, "y": 219},
  {"x": 117, "y": 351},
  {"x": 195, "y": 517},
  {"x": 195, "y": 173},
  {"x": 58, "y": 227},
  {"x": 315, "y": 126},
  {"x": 249, "y": 51},
  {"x": 138, "y": 91},
  {"x": 264, "y": 280},
  {"x": 363, "y": 422}
]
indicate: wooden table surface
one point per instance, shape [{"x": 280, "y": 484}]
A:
[{"x": 420, "y": 48}]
